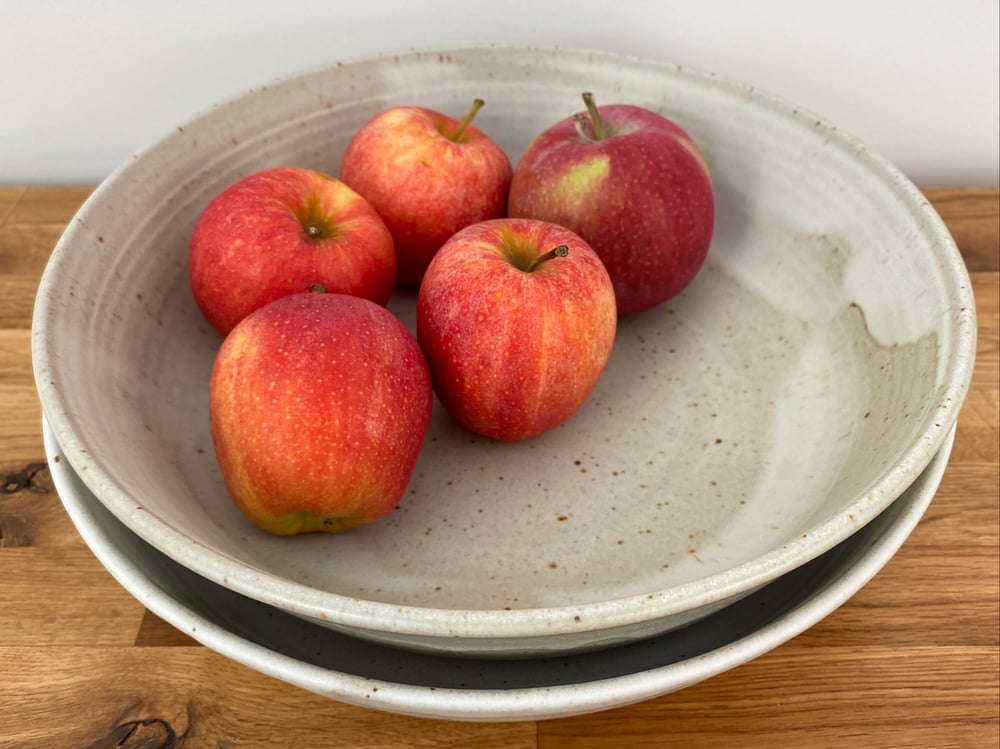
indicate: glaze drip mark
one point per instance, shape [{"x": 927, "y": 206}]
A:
[{"x": 861, "y": 313}]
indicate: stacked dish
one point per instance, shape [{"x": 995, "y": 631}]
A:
[
  {"x": 477, "y": 689},
  {"x": 769, "y": 414}
]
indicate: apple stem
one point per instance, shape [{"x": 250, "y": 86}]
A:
[
  {"x": 559, "y": 251},
  {"x": 317, "y": 288},
  {"x": 313, "y": 230},
  {"x": 476, "y": 106},
  {"x": 595, "y": 118}
]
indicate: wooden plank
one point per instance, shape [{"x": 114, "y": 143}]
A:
[
  {"x": 17, "y": 301},
  {"x": 30, "y": 511},
  {"x": 44, "y": 205},
  {"x": 25, "y": 248},
  {"x": 15, "y": 357},
  {"x": 839, "y": 697},
  {"x": 86, "y": 697},
  {"x": 10, "y": 196},
  {"x": 22, "y": 416},
  {"x": 64, "y": 598},
  {"x": 978, "y": 438},
  {"x": 31, "y": 221}
]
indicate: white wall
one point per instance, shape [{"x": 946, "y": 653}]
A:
[{"x": 86, "y": 83}]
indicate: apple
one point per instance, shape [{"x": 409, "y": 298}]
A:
[
  {"x": 428, "y": 176},
  {"x": 280, "y": 231},
  {"x": 634, "y": 185},
  {"x": 517, "y": 319},
  {"x": 319, "y": 404}
]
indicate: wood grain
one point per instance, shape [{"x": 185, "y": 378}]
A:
[
  {"x": 912, "y": 660},
  {"x": 201, "y": 699}
]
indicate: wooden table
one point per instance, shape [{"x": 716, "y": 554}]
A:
[{"x": 912, "y": 660}]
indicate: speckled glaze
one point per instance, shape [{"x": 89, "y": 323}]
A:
[
  {"x": 442, "y": 686},
  {"x": 767, "y": 413}
]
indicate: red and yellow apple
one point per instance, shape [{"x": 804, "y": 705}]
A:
[
  {"x": 517, "y": 319},
  {"x": 281, "y": 231},
  {"x": 428, "y": 176},
  {"x": 319, "y": 404},
  {"x": 634, "y": 185}
]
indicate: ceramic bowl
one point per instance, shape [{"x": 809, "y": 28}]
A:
[{"x": 780, "y": 403}]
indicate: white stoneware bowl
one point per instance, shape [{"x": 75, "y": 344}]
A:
[
  {"x": 776, "y": 406},
  {"x": 442, "y": 686}
]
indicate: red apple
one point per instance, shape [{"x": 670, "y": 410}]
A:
[
  {"x": 428, "y": 176},
  {"x": 319, "y": 404},
  {"x": 281, "y": 231},
  {"x": 517, "y": 319},
  {"x": 634, "y": 186}
]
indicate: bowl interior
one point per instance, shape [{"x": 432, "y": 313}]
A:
[{"x": 778, "y": 404}]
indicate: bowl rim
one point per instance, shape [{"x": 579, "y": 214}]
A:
[{"x": 379, "y": 616}]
